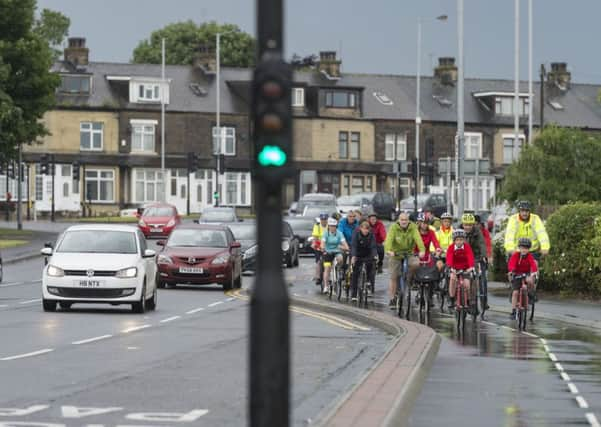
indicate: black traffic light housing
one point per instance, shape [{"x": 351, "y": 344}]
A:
[
  {"x": 76, "y": 170},
  {"x": 193, "y": 162},
  {"x": 44, "y": 164},
  {"x": 272, "y": 120},
  {"x": 414, "y": 169}
]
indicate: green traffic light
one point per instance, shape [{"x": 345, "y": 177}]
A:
[{"x": 272, "y": 155}]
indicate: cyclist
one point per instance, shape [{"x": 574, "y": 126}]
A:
[
  {"x": 486, "y": 235},
  {"x": 445, "y": 237},
  {"x": 431, "y": 219},
  {"x": 428, "y": 237},
  {"x": 332, "y": 244},
  {"x": 380, "y": 233},
  {"x": 528, "y": 225},
  {"x": 318, "y": 229},
  {"x": 521, "y": 262},
  {"x": 363, "y": 251},
  {"x": 347, "y": 226},
  {"x": 474, "y": 237},
  {"x": 401, "y": 238},
  {"x": 459, "y": 257}
]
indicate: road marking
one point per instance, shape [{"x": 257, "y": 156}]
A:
[
  {"x": 215, "y": 303},
  {"x": 170, "y": 319},
  {"x": 33, "y": 353},
  {"x": 196, "y": 310},
  {"x": 89, "y": 340},
  {"x": 330, "y": 319},
  {"x": 581, "y": 402},
  {"x": 230, "y": 299},
  {"x": 572, "y": 388},
  {"x": 546, "y": 348},
  {"x": 31, "y": 301},
  {"x": 565, "y": 376},
  {"x": 552, "y": 357},
  {"x": 544, "y": 341},
  {"x": 592, "y": 419},
  {"x": 3, "y": 305},
  {"x": 507, "y": 327},
  {"x": 488, "y": 323},
  {"x": 530, "y": 335},
  {"x": 135, "y": 328}
]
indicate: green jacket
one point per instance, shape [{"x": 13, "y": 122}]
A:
[{"x": 402, "y": 241}]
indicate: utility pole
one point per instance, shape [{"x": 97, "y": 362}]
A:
[
  {"x": 53, "y": 172},
  {"x": 164, "y": 178},
  {"x": 418, "y": 119},
  {"x": 542, "y": 96},
  {"x": 516, "y": 95},
  {"x": 217, "y": 149},
  {"x": 530, "y": 97},
  {"x": 19, "y": 180},
  {"x": 272, "y": 137},
  {"x": 460, "y": 111}
]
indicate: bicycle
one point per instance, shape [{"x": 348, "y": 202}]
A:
[
  {"x": 403, "y": 290},
  {"x": 522, "y": 308},
  {"x": 463, "y": 301},
  {"x": 443, "y": 287},
  {"x": 482, "y": 270},
  {"x": 362, "y": 284},
  {"x": 343, "y": 280},
  {"x": 335, "y": 276},
  {"x": 425, "y": 278}
]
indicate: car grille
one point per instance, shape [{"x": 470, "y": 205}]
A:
[
  {"x": 205, "y": 273},
  {"x": 89, "y": 293},
  {"x": 97, "y": 273},
  {"x": 187, "y": 260}
]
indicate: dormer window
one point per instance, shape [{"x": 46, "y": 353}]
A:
[
  {"x": 75, "y": 84},
  {"x": 341, "y": 99},
  {"x": 149, "y": 92},
  {"x": 298, "y": 97},
  {"x": 504, "y": 106}
]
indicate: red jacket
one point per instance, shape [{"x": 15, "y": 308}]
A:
[
  {"x": 428, "y": 238},
  {"x": 487, "y": 241},
  {"x": 460, "y": 258},
  {"x": 519, "y": 264},
  {"x": 379, "y": 232}
]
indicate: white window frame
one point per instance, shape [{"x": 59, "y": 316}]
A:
[
  {"x": 150, "y": 92},
  {"x": 504, "y": 105},
  {"x": 401, "y": 146},
  {"x": 98, "y": 179},
  {"x": 511, "y": 136},
  {"x": 468, "y": 138},
  {"x": 227, "y": 132},
  {"x": 157, "y": 182},
  {"x": 143, "y": 125},
  {"x": 92, "y": 133},
  {"x": 237, "y": 178},
  {"x": 298, "y": 97}
]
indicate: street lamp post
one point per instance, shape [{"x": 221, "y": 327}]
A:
[
  {"x": 217, "y": 149},
  {"x": 164, "y": 180},
  {"x": 530, "y": 96},
  {"x": 460, "y": 106},
  {"x": 516, "y": 96}
]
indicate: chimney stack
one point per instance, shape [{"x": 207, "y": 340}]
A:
[
  {"x": 205, "y": 60},
  {"x": 329, "y": 65},
  {"x": 446, "y": 71},
  {"x": 560, "y": 75},
  {"x": 76, "y": 52}
]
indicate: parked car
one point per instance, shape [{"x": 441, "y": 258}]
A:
[
  {"x": 158, "y": 220},
  {"x": 437, "y": 203},
  {"x": 302, "y": 227},
  {"x": 353, "y": 202},
  {"x": 381, "y": 203},
  {"x": 325, "y": 201},
  {"x": 100, "y": 263},
  {"x": 200, "y": 254},
  {"x": 218, "y": 215},
  {"x": 289, "y": 246}
]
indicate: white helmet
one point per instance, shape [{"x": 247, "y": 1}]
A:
[{"x": 332, "y": 221}]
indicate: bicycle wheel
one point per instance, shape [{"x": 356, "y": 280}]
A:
[
  {"x": 458, "y": 310},
  {"x": 363, "y": 281},
  {"x": 429, "y": 297},
  {"x": 408, "y": 300},
  {"x": 533, "y": 300},
  {"x": 339, "y": 289}
]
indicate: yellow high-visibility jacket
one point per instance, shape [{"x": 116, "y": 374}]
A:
[
  {"x": 533, "y": 229},
  {"x": 445, "y": 238}
]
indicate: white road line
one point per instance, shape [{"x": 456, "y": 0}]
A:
[
  {"x": 581, "y": 402},
  {"x": 196, "y": 310},
  {"x": 572, "y": 388},
  {"x": 546, "y": 347},
  {"x": 544, "y": 341},
  {"x": 170, "y": 319},
  {"x": 135, "y": 328},
  {"x": 559, "y": 367},
  {"x": 530, "y": 334},
  {"x": 215, "y": 303},
  {"x": 489, "y": 323},
  {"x": 33, "y": 353},
  {"x": 507, "y": 327},
  {"x": 89, "y": 340},
  {"x": 552, "y": 357},
  {"x": 3, "y": 305},
  {"x": 565, "y": 376},
  {"x": 230, "y": 299},
  {"x": 592, "y": 419},
  {"x": 31, "y": 301}
]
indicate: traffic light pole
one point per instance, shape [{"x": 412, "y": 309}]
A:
[
  {"x": 19, "y": 180},
  {"x": 53, "y": 172},
  {"x": 188, "y": 194}
]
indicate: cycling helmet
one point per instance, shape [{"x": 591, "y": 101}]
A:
[
  {"x": 332, "y": 221},
  {"x": 446, "y": 215},
  {"x": 421, "y": 217},
  {"x": 477, "y": 218},
  {"x": 468, "y": 218},
  {"x": 323, "y": 215},
  {"x": 524, "y": 242},
  {"x": 524, "y": 205},
  {"x": 458, "y": 233},
  {"x": 336, "y": 216}
]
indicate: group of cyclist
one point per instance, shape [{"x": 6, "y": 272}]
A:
[{"x": 429, "y": 241}]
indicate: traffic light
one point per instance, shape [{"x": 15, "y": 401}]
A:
[
  {"x": 414, "y": 169},
  {"x": 44, "y": 164},
  {"x": 272, "y": 110},
  {"x": 11, "y": 170},
  {"x": 76, "y": 170}
]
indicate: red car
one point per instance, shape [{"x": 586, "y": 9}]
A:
[
  {"x": 200, "y": 255},
  {"x": 159, "y": 220}
]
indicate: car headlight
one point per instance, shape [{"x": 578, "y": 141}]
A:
[
  {"x": 164, "y": 259},
  {"x": 141, "y": 223},
  {"x": 250, "y": 252},
  {"x": 285, "y": 245},
  {"x": 54, "y": 271},
  {"x": 221, "y": 259},
  {"x": 171, "y": 223},
  {"x": 127, "y": 273}
]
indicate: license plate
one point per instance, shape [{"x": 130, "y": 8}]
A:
[
  {"x": 191, "y": 270},
  {"x": 301, "y": 245},
  {"x": 89, "y": 283},
  {"x": 156, "y": 230}
]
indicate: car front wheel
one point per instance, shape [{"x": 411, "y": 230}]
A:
[
  {"x": 151, "y": 303},
  {"x": 49, "y": 305},
  {"x": 140, "y": 306}
]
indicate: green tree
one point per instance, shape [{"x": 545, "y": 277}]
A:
[
  {"x": 183, "y": 38},
  {"x": 27, "y": 86},
  {"x": 561, "y": 165},
  {"x": 54, "y": 27}
]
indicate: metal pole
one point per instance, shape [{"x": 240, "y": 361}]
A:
[
  {"x": 164, "y": 179},
  {"x": 53, "y": 171},
  {"x": 6, "y": 194},
  {"x": 449, "y": 189},
  {"x": 460, "y": 112},
  {"x": 542, "y": 97},
  {"x": 217, "y": 150},
  {"x": 516, "y": 95},
  {"x": 477, "y": 185},
  {"x": 28, "y": 192},
  {"x": 417, "y": 109},
  {"x": 530, "y": 95},
  {"x": 19, "y": 180},
  {"x": 188, "y": 196}
]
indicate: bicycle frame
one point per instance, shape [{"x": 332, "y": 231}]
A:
[{"x": 522, "y": 305}]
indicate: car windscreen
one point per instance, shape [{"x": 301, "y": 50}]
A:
[
  {"x": 190, "y": 237},
  {"x": 303, "y": 203},
  {"x": 217, "y": 216},
  {"x": 159, "y": 211},
  {"x": 300, "y": 225},
  {"x": 314, "y": 211},
  {"x": 98, "y": 242},
  {"x": 351, "y": 200},
  {"x": 243, "y": 231}
]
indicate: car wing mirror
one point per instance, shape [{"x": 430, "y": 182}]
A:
[
  {"x": 149, "y": 253},
  {"x": 46, "y": 251},
  {"x": 161, "y": 243}
]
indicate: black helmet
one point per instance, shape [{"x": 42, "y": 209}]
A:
[
  {"x": 524, "y": 205},
  {"x": 477, "y": 218},
  {"x": 524, "y": 242}
]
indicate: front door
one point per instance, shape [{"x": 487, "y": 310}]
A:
[{"x": 178, "y": 189}]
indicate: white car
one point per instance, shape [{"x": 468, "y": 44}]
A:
[{"x": 100, "y": 264}]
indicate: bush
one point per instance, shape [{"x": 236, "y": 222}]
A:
[{"x": 574, "y": 262}]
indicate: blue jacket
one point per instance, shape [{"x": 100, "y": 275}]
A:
[{"x": 347, "y": 229}]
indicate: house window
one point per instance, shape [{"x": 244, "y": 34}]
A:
[
  {"x": 75, "y": 187},
  {"x": 473, "y": 145},
  {"x": 368, "y": 184},
  {"x": 228, "y": 141},
  {"x": 66, "y": 189},
  {"x": 39, "y": 183},
  {"x": 237, "y": 190},
  {"x": 341, "y": 99},
  {"x": 142, "y": 136},
  {"x": 148, "y": 185},
  {"x": 357, "y": 186},
  {"x": 343, "y": 145},
  {"x": 75, "y": 84},
  {"x": 298, "y": 97},
  {"x": 100, "y": 185},
  {"x": 504, "y": 106},
  {"x": 400, "y": 139},
  {"x": 66, "y": 170},
  {"x": 90, "y": 136},
  {"x": 355, "y": 145},
  {"x": 508, "y": 145},
  {"x": 149, "y": 92}
]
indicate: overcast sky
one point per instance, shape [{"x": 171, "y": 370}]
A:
[{"x": 376, "y": 36}]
